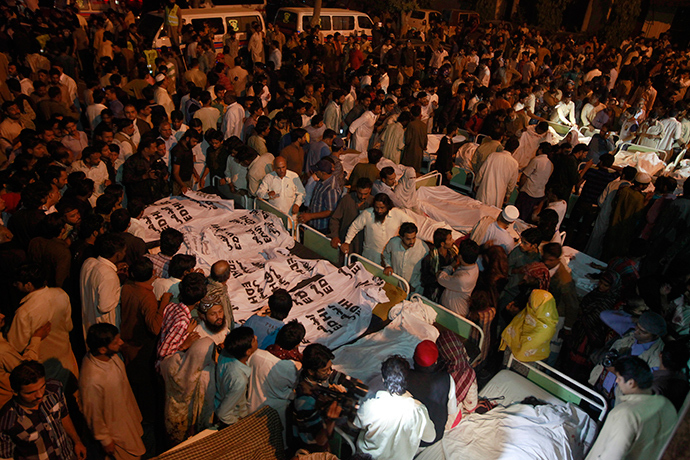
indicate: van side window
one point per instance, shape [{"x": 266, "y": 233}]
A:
[
  {"x": 417, "y": 14},
  {"x": 242, "y": 24},
  {"x": 343, "y": 23},
  {"x": 364, "y": 22},
  {"x": 324, "y": 22},
  {"x": 214, "y": 23}
]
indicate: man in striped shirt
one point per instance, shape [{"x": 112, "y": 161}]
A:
[{"x": 177, "y": 330}]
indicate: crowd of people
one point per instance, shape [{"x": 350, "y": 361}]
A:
[{"x": 118, "y": 349}]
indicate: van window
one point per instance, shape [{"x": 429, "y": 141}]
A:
[
  {"x": 214, "y": 23},
  {"x": 287, "y": 19},
  {"x": 433, "y": 16},
  {"x": 364, "y": 22},
  {"x": 242, "y": 23},
  {"x": 417, "y": 15},
  {"x": 324, "y": 22},
  {"x": 343, "y": 23}
]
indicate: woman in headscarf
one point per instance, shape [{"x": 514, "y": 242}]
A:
[
  {"x": 189, "y": 390},
  {"x": 452, "y": 353},
  {"x": 589, "y": 331},
  {"x": 529, "y": 334},
  {"x": 406, "y": 190}
]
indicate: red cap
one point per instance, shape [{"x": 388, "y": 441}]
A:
[{"x": 426, "y": 353}]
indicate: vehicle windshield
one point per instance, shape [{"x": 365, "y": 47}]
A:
[{"x": 149, "y": 24}]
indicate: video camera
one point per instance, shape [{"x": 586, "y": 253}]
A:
[{"x": 345, "y": 390}]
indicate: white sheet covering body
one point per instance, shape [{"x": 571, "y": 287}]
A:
[
  {"x": 412, "y": 322},
  {"x": 337, "y": 308},
  {"x": 648, "y": 162},
  {"x": 557, "y": 431}
]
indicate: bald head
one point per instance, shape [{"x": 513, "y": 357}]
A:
[
  {"x": 280, "y": 166},
  {"x": 220, "y": 271}
]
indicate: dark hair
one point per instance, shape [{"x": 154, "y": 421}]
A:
[
  {"x": 296, "y": 134},
  {"x": 290, "y": 335},
  {"x": 629, "y": 173},
  {"x": 406, "y": 228},
  {"x": 606, "y": 160},
  {"x": 90, "y": 224},
  {"x": 135, "y": 207},
  {"x": 440, "y": 235},
  {"x": 34, "y": 195},
  {"x": 315, "y": 357},
  {"x": 108, "y": 245},
  {"x": 119, "y": 220},
  {"x": 51, "y": 226},
  {"x": 385, "y": 199},
  {"x": 469, "y": 251},
  {"x": 27, "y": 373},
  {"x": 141, "y": 270},
  {"x": 105, "y": 204},
  {"x": 192, "y": 288},
  {"x": 387, "y": 171},
  {"x": 675, "y": 356},
  {"x": 280, "y": 304},
  {"x": 364, "y": 182},
  {"x": 171, "y": 240},
  {"x": 531, "y": 235},
  {"x": 238, "y": 341},
  {"x": 552, "y": 250},
  {"x": 100, "y": 335},
  {"x": 374, "y": 156},
  {"x": 31, "y": 273},
  {"x": 180, "y": 264},
  {"x": 632, "y": 367},
  {"x": 394, "y": 371}
]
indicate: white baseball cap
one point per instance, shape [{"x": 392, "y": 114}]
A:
[{"x": 510, "y": 213}]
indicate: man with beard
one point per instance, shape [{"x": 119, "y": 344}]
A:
[
  {"x": 380, "y": 224},
  {"x": 349, "y": 207},
  {"x": 212, "y": 318},
  {"x": 108, "y": 403}
]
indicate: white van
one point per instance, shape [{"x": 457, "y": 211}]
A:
[
  {"x": 332, "y": 20},
  {"x": 221, "y": 18},
  {"x": 421, "y": 19}
]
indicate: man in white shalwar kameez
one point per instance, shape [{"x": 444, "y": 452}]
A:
[
  {"x": 497, "y": 178},
  {"x": 393, "y": 139},
  {"x": 362, "y": 128},
  {"x": 530, "y": 140},
  {"x": 108, "y": 403},
  {"x": 271, "y": 382}
]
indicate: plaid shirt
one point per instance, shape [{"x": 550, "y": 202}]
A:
[
  {"x": 36, "y": 434},
  {"x": 161, "y": 262},
  {"x": 176, "y": 319},
  {"x": 325, "y": 198}
]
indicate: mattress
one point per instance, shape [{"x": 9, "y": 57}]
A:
[{"x": 514, "y": 388}]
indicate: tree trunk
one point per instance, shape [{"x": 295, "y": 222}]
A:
[
  {"x": 405, "y": 17},
  {"x": 316, "y": 18}
]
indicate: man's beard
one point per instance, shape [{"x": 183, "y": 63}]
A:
[
  {"x": 215, "y": 328},
  {"x": 380, "y": 217}
]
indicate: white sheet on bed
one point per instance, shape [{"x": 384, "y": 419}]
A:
[
  {"x": 556, "y": 431},
  {"x": 648, "y": 162},
  {"x": 521, "y": 432},
  {"x": 363, "y": 358},
  {"x": 460, "y": 211}
]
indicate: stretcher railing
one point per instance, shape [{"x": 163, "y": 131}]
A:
[
  {"x": 432, "y": 179},
  {"x": 316, "y": 241},
  {"x": 377, "y": 270},
  {"x": 288, "y": 221}
]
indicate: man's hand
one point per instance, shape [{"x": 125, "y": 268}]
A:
[
  {"x": 222, "y": 182},
  {"x": 110, "y": 448},
  {"x": 334, "y": 410},
  {"x": 43, "y": 331},
  {"x": 272, "y": 195},
  {"x": 345, "y": 248},
  {"x": 80, "y": 450},
  {"x": 183, "y": 189},
  {"x": 335, "y": 242},
  {"x": 295, "y": 209},
  {"x": 152, "y": 174},
  {"x": 388, "y": 271},
  {"x": 192, "y": 325},
  {"x": 191, "y": 338},
  {"x": 303, "y": 217}
]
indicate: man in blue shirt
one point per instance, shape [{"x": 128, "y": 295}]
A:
[
  {"x": 232, "y": 376},
  {"x": 266, "y": 327},
  {"x": 324, "y": 199}
]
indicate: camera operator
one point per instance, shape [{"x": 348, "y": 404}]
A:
[
  {"x": 393, "y": 423},
  {"x": 313, "y": 413}
]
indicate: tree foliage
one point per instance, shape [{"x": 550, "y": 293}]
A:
[
  {"x": 550, "y": 13},
  {"x": 622, "y": 21},
  {"x": 486, "y": 9}
]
